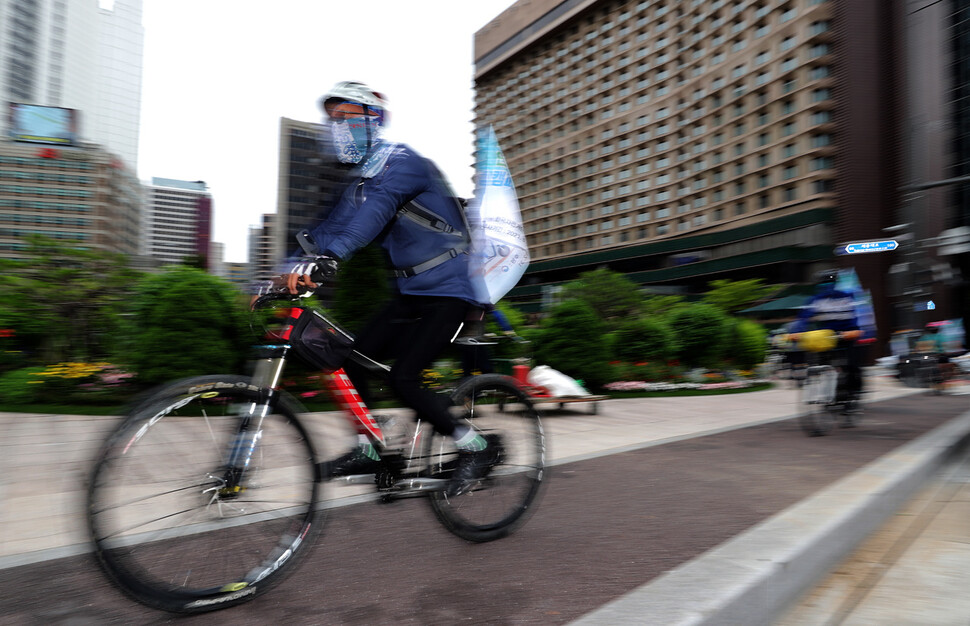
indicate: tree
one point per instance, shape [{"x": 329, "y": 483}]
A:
[
  {"x": 611, "y": 295},
  {"x": 645, "y": 339},
  {"x": 657, "y": 305},
  {"x": 184, "y": 322},
  {"x": 701, "y": 331},
  {"x": 62, "y": 304},
  {"x": 733, "y": 295},
  {"x": 571, "y": 341},
  {"x": 750, "y": 343},
  {"x": 362, "y": 288}
]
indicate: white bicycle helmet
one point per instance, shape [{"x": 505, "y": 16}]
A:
[{"x": 351, "y": 91}]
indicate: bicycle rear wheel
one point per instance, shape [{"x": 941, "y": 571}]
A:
[
  {"x": 493, "y": 405},
  {"x": 179, "y": 527},
  {"x": 816, "y": 419}
]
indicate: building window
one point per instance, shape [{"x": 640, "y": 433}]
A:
[
  {"x": 821, "y": 117},
  {"x": 823, "y": 186},
  {"x": 822, "y": 140},
  {"x": 822, "y": 163},
  {"x": 817, "y": 28},
  {"x": 820, "y": 72}
]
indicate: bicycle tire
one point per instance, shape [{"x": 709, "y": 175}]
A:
[
  {"x": 815, "y": 418},
  {"x": 492, "y": 404},
  {"x": 165, "y": 533}
]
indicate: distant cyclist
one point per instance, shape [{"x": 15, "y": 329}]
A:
[
  {"x": 931, "y": 341},
  {"x": 833, "y": 309},
  {"x": 400, "y": 199}
]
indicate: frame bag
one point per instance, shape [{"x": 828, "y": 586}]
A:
[{"x": 318, "y": 342}]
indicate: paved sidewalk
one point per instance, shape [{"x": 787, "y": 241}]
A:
[
  {"x": 45, "y": 459},
  {"x": 914, "y": 571}
]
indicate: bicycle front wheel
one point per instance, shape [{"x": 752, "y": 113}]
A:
[
  {"x": 204, "y": 496},
  {"x": 495, "y": 406},
  {"x": 815, "y": 419}
]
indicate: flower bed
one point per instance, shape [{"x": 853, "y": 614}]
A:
[{"x": 640, "y": 385}]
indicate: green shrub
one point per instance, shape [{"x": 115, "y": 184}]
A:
[
  {"x": 644, "y": 339},
  {"x": 185, "y": 322},
  {"x": 23, "y": 386},
  {"x": 701, "y": 331},
  {"x": 571, "y": 341},
  {"x": 750, "y": 344}
]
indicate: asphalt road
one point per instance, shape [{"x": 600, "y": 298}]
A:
[{"x": 603, "y": 527}]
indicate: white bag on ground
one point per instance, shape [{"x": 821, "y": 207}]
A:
[{"x": 556, "y": 382}]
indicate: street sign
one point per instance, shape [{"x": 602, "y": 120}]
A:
[{"x": 883, "y": 245}]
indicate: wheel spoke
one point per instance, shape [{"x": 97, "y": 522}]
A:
[{"x": 170, "y": 529}]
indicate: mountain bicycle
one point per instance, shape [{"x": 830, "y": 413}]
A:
[
  {"x": 210, "y": 491},
  {"x": 825, "y": 398}
]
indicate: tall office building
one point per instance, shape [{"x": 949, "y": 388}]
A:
[
  {"x": 80, "y": 195},
  {"x": 178, "y": 222},
  {"x": 680, "y": 141},
  {"x": 308, "y": 184},
  {"x": 77, "y": 55},
  {"x": 263, "y": 260}
]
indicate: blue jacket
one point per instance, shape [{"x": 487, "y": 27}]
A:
[
  {"x": 829, "y": 308},
  {"x": 368, "y": 210}
]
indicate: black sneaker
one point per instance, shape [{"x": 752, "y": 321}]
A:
[
  {"x": 350, "y": 464},
  {"x": 474, "y": 466}
]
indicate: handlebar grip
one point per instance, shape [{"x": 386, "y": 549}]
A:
[{"x": 325, "y": 267}]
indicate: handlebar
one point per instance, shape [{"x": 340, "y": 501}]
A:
[{"x": 318, "y": 268}]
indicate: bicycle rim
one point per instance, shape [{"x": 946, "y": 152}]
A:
[
  {"x": 815, "y": 419},
  {"x": 168, "y": 528},
  {"x": 492, "y": 405}
]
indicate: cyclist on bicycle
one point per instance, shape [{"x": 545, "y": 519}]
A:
[
  {"x": 833, "y": 309},
  {"x": 434, "y": 290},
  {"x": 931, "y": 341}
]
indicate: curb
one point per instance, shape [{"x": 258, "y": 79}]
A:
[{"x": 753, "y": 578}]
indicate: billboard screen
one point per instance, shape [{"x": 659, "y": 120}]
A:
[{"x": 40, "y": 124}]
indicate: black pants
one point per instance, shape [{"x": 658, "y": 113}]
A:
[
  {"x": 849, "y": 355},
  {"x": 413, "y": 331}
]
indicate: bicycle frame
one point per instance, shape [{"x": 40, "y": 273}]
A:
[{"x": 268, "y": 374}]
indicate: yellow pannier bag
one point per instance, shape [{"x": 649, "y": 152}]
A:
[{"x": 818, "y": 340}]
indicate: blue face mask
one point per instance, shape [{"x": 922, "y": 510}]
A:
[{"x": 354, "y": 137}]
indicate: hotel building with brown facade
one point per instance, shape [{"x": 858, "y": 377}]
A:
[{"x": 681, "y": 141}]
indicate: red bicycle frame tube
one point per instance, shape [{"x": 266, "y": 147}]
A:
[
  {"x": 343, "y": 393},
  {"x": 346, "y": 397}
]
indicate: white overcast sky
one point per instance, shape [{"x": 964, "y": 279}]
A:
[{"x": 219, "y": 74}]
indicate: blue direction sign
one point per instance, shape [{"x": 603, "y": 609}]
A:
[{"x": 884, "y": 245}]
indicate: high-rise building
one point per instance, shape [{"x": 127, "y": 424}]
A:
[
  {"x": 263, "y": 260},
  {"x": 178, "y": 222},
  {"x": 77, "y": 55},
  {"x": 681, "y": 141},
  {"x": 309, "y": 181},
  {"x": 81, "y": 195}
]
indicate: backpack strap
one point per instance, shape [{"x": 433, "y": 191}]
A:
[
  {"x": 423, "y": 216},
  {"x": 427, "y": 218},
  {"x": 407, "y": 272}
]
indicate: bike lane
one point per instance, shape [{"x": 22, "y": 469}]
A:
[{"x": 606, "y": 525}]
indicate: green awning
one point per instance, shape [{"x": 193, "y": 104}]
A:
[{"x": 788, "y": 303}]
